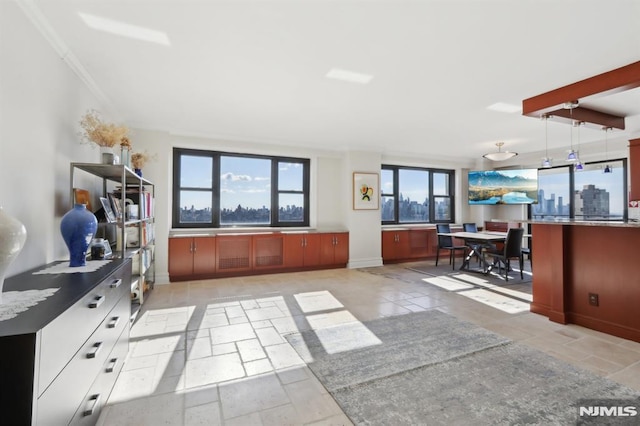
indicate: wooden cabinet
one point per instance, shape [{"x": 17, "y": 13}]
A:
[
  {"x": 634, "y": 169},
  {"x": 227, "y": 255},
  {"x": 410, "y": 244},
  {"x": 60, "y": 358},
  {"x": 334, "y": 248},
  {"x": 233, "y": 253},
  {"x": 302, "y": 250},
  {"x": 395, "y": 245},
  {"x": 191, "y": 257},
  {"x": 268, "y": 251}
]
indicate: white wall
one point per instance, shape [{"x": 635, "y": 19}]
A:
[{"x": 41, "y": 103}]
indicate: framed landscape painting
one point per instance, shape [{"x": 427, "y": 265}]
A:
[{"x": 366, "y": 191}]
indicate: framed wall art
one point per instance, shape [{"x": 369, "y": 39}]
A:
[{"x": 366, "y": 191}]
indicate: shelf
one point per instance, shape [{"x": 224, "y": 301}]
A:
[
  {"x": 115, "y": 172},
  {"x": 125, "y": 183}
]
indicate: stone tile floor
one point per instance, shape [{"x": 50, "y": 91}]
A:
[{"x": 212, "y": 352}]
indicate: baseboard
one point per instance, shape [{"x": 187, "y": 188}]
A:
[{"x": 364, "y": 263}]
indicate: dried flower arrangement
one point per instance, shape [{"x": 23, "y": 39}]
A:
[
  {"x": 101, "y": 133},
  {"x": 125, "y": 142},
  {"x": 139, "y": 159}
]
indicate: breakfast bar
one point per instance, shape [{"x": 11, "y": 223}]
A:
[{"x": 587, "y": 274}]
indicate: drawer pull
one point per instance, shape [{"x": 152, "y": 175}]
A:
[
  {"x": 112, "y": 365},
  {"x": 113, "y": 323},
  {"x": 92, "y": 405},
  {"x": 96, "y": 302},
  {"x": 94, "y": 350},
  {"x": 116, "y": 283}
]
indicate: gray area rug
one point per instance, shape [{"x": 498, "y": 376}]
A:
[
  {"x": 494, "y": 277},
  {"x": 431, "y": 368}
]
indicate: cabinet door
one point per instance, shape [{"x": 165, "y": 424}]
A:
[
  {"x": 180, "y": 257},
  {"x": 312, "y": 250},
  {"x": 268, "y": 251},
  {"x": 233, "y": 253},
  {"x": 395, "y": 245},
  {"x": 341, "y": 253},
  {"x": 294, "y": 250},
  {"x": 327, "y": 249},
  {"x": 418, "y": 243},
  {"x": 204, "y": 255}
]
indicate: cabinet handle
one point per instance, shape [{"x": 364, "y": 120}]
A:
[
  {"x": 191, "y": 247},
  {"x": 116, "y": 283},
  {"x": 113, "y": 323},
  {"x": 92, "y": 405},
  {"x": 305, "y": 241},
  {"x": 96, "y": 302},
  {"x": 94, "y": 350},
  {"x": 112, "y": 365},
  {"x": 195, "y": 246}
]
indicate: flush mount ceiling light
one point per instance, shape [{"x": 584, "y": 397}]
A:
[
  {"x": 546, "y": 161},
  {"x": 504, "y": 107},
  {"x": 500, "y": 155},
  {"x": 349, "y": 76}
]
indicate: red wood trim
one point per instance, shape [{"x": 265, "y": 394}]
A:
[{"x": 619, "y": 79}]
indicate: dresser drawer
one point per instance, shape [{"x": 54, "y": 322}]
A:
[
  {"x": 62, "y": 338},
  {"x": 89, "y": 410},
  {"x": 60, "y": 401}
]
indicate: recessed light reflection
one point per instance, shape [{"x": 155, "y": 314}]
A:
[{"x": 126, "y": 30}]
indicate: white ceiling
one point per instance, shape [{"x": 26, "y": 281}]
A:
[{"x": 255, "y": 70}]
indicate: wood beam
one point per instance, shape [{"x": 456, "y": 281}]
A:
[
  {"x": 589, "y": 116},
  {"x": 617, "y": 80}
]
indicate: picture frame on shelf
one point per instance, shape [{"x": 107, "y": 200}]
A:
[
  {"x": 82, "y": 196},
  {"x": 116, "y": 206},
  {"x": 366, "y": 191},
  {"x": 108, "y": 212}
]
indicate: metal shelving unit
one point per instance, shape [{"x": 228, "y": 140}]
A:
[{"x": 142, "y": 253}]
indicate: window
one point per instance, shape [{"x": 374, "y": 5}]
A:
[
  {"x": 416, "y": 195},
  {"x": 586, "y": 195},
  {"x": 215, "y": 189}
]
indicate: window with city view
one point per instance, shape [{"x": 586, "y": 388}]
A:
[
  {"x": 589, "y": 194},
  {"x": 214, "y": 189},
  {"x": 416, "y": 195}
]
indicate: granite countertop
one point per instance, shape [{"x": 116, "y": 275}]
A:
[
  {"x": 188, "y": 233},
  {"x": 574, "y": 222}
]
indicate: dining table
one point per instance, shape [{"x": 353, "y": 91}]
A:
[{"x": 477, "y": 241}]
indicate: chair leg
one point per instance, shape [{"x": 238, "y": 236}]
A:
[
  {"x": 437, "y": 255},
  {"x": 452, "y": 259},
  {"x": 521, "y": 266},
  {"x": 507, "y": 265}
]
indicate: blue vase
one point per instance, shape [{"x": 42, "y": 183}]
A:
[
  {"x": 78, "y": 227},
  {"x": 138, "y": 172}
]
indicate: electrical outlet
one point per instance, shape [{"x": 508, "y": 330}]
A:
[{"x": 593, "y": 299}]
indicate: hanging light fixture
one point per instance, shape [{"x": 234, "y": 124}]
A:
[
  {"x": 573, "y": 155},
  {"x": 500, "y": 155},
  {"x": 578, "y": 167},
  {"x": 546, "y": 161},
  {"x": 607, "y": 167}
]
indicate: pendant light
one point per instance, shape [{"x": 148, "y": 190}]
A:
[
  {"x": 573, "y": 155},
  {"x": 607, "y": 167},
  {"x": 578, "y": 167},
  {"x": 546, "y": 161}
]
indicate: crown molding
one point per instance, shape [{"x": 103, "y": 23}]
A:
[{"x": 37, "y": 18}]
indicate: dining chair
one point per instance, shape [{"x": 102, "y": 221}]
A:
[
  {"x": 472, "y": 227},
  {"x": 512, "y": 250},
  {"x": 445, "y": 242},
  {"x": 527, "y": 251}
]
